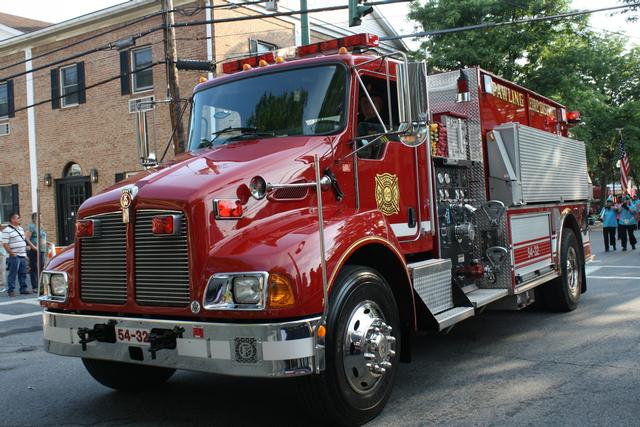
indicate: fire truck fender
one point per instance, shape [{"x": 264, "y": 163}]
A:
[
  {"x": 569, "y": 221},
  {"x": 382, "y": 255}
]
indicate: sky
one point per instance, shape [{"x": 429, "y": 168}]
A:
[{"x": 56, "y": 11}]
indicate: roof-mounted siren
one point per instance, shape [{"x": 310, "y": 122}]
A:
[
  {"x": 463, "y": 88},
  {"x": 413, "y": 104}
]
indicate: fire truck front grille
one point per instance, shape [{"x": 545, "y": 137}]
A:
[
  {"x": 161, "y": 263},
  {"x": 103, "y": 262}
]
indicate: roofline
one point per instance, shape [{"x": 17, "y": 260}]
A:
[
  {"x": 387, "y": 25},
  {"x": 10, "y": 30}
]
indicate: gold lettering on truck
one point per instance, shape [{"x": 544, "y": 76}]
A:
[{"x": 507, "y": 94}]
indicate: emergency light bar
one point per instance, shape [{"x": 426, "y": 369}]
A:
[
  {"x": 334, "y": 45},
  {"x": 357, "y": 40},
  {"x": 252, "y": 61}
]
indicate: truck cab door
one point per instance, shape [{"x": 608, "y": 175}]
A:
[{"x": 387, "y": 170}]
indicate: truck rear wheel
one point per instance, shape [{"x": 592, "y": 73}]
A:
[
  {"x": 563, "y": 293},
  {"x": 363, "y": 336},
  {"x": 126, "y": 376}
]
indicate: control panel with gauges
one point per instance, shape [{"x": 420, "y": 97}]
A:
[{"x": 455, "y": 211}]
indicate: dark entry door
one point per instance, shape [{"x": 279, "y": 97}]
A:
[{"x": 70, "y": 193}]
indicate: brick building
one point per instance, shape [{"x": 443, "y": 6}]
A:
[{"x": 67, "y": 128}]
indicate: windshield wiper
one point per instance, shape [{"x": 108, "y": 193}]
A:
[
  {"x": 204, "y": 142},
  {"x": 244, "y": 131}
]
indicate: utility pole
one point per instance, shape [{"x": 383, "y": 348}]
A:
[
  {"x": 173, "y": 87},
  {"x": 304, "y": 23}
]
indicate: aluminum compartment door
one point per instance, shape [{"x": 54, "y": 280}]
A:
[{"x": 531, "y": 244}]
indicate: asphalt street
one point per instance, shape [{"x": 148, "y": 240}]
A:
[{"x": 500, "y": 368}]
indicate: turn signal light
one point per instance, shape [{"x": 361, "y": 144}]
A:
[
  {"x": 165, "y": 224},
  {"x": 227, "y": 208},
  {"x": 85, "y": 228},
  {"x": 280, "y": 291}
]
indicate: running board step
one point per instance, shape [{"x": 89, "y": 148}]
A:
[
  {"x": 482, "y": 297},
  {"x": 452, "y": 316}
]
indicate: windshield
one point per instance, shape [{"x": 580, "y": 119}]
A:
[{"x": 306, "y": 101}]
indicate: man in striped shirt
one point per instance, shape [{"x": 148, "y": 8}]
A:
[{"x": 15, "y": 243}]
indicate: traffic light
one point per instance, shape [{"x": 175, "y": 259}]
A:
[{"x": 357, "y": 11}]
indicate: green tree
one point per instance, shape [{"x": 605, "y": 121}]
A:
[
  {"x": 504, "y": 50},
  {"x": 597, "y": 75},
  {"x": 594, "y": 73}
]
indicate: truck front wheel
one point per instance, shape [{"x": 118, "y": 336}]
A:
[
  {"x": 362, "y": 341},
  {"x": 126, "y": 376}
]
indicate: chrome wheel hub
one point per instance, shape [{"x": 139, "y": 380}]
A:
[
  {"x": 368, "y": 347},
  {"x": 573, "y": 273}
]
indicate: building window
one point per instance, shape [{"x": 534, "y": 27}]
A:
[
  {"x": 69, "y": 85},
  {"x": 6, "y": 99},
  {"x": 258, "y": 46},
  {"x": 141, "y": 70},
  {"x": 8, "y": 202}
]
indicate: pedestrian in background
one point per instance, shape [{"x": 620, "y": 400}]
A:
[
  {"x": 636, "y": 205},
  {"x": 3, "y": 263},
  {"x": 617, "y": 206},
  {"x": 628, "y": 223},
  {"x": 15, "y": 243},
  {"x": 33, "y": 255},
  {"x": 609, "y": 224}
]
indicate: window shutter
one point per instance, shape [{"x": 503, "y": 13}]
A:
[
  {"x": 12, "y": 110},
  {"x": 55, "y": 89},
  {"x": 125, "y": 81},
  {"x": 82, "y": 96},
  {"x": 15, "y": 199}
]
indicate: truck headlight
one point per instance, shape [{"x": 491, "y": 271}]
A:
[
  {"x": 59, "y": 285},
  {"x": 248, "y": 289},
  {"x": 236, "y": 291},
  {"x": 54, "y": 286}
]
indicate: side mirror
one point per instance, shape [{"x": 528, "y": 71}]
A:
[{"x": 413, "y": 102}]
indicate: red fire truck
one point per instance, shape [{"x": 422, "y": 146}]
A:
[{"x": 333, "y": 200}]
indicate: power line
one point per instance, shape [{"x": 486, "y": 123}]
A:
[
  {"x": 488, "y": 25},
  {"x": 87, "y": 87},
  {"x": 78, "y": 42},
  {"x": 108, "y": 46},
  {"x": 125, "y": 25},
  {"x": 277, "y": 14}
]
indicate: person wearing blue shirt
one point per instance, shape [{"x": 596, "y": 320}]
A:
[
  {"x": 628, "y": 223},
  {"x": 609, "y": 224}
]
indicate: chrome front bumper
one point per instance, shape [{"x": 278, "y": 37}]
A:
[{"x": 250, "y": 350}]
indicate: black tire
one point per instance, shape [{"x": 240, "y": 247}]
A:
[
  {"x": 126, "y": 376},
  {"x": 344, "y": 397},
  {"x": 563, "y": 293}
]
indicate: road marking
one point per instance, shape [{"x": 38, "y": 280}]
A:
[
  {"x": 33, "y": 301},
  {"x": 591, "y": 269},
  {"x": 620, "y": 266},
  {"x": 8, "y": 317},
  {"x": 615, "y": 277}
]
